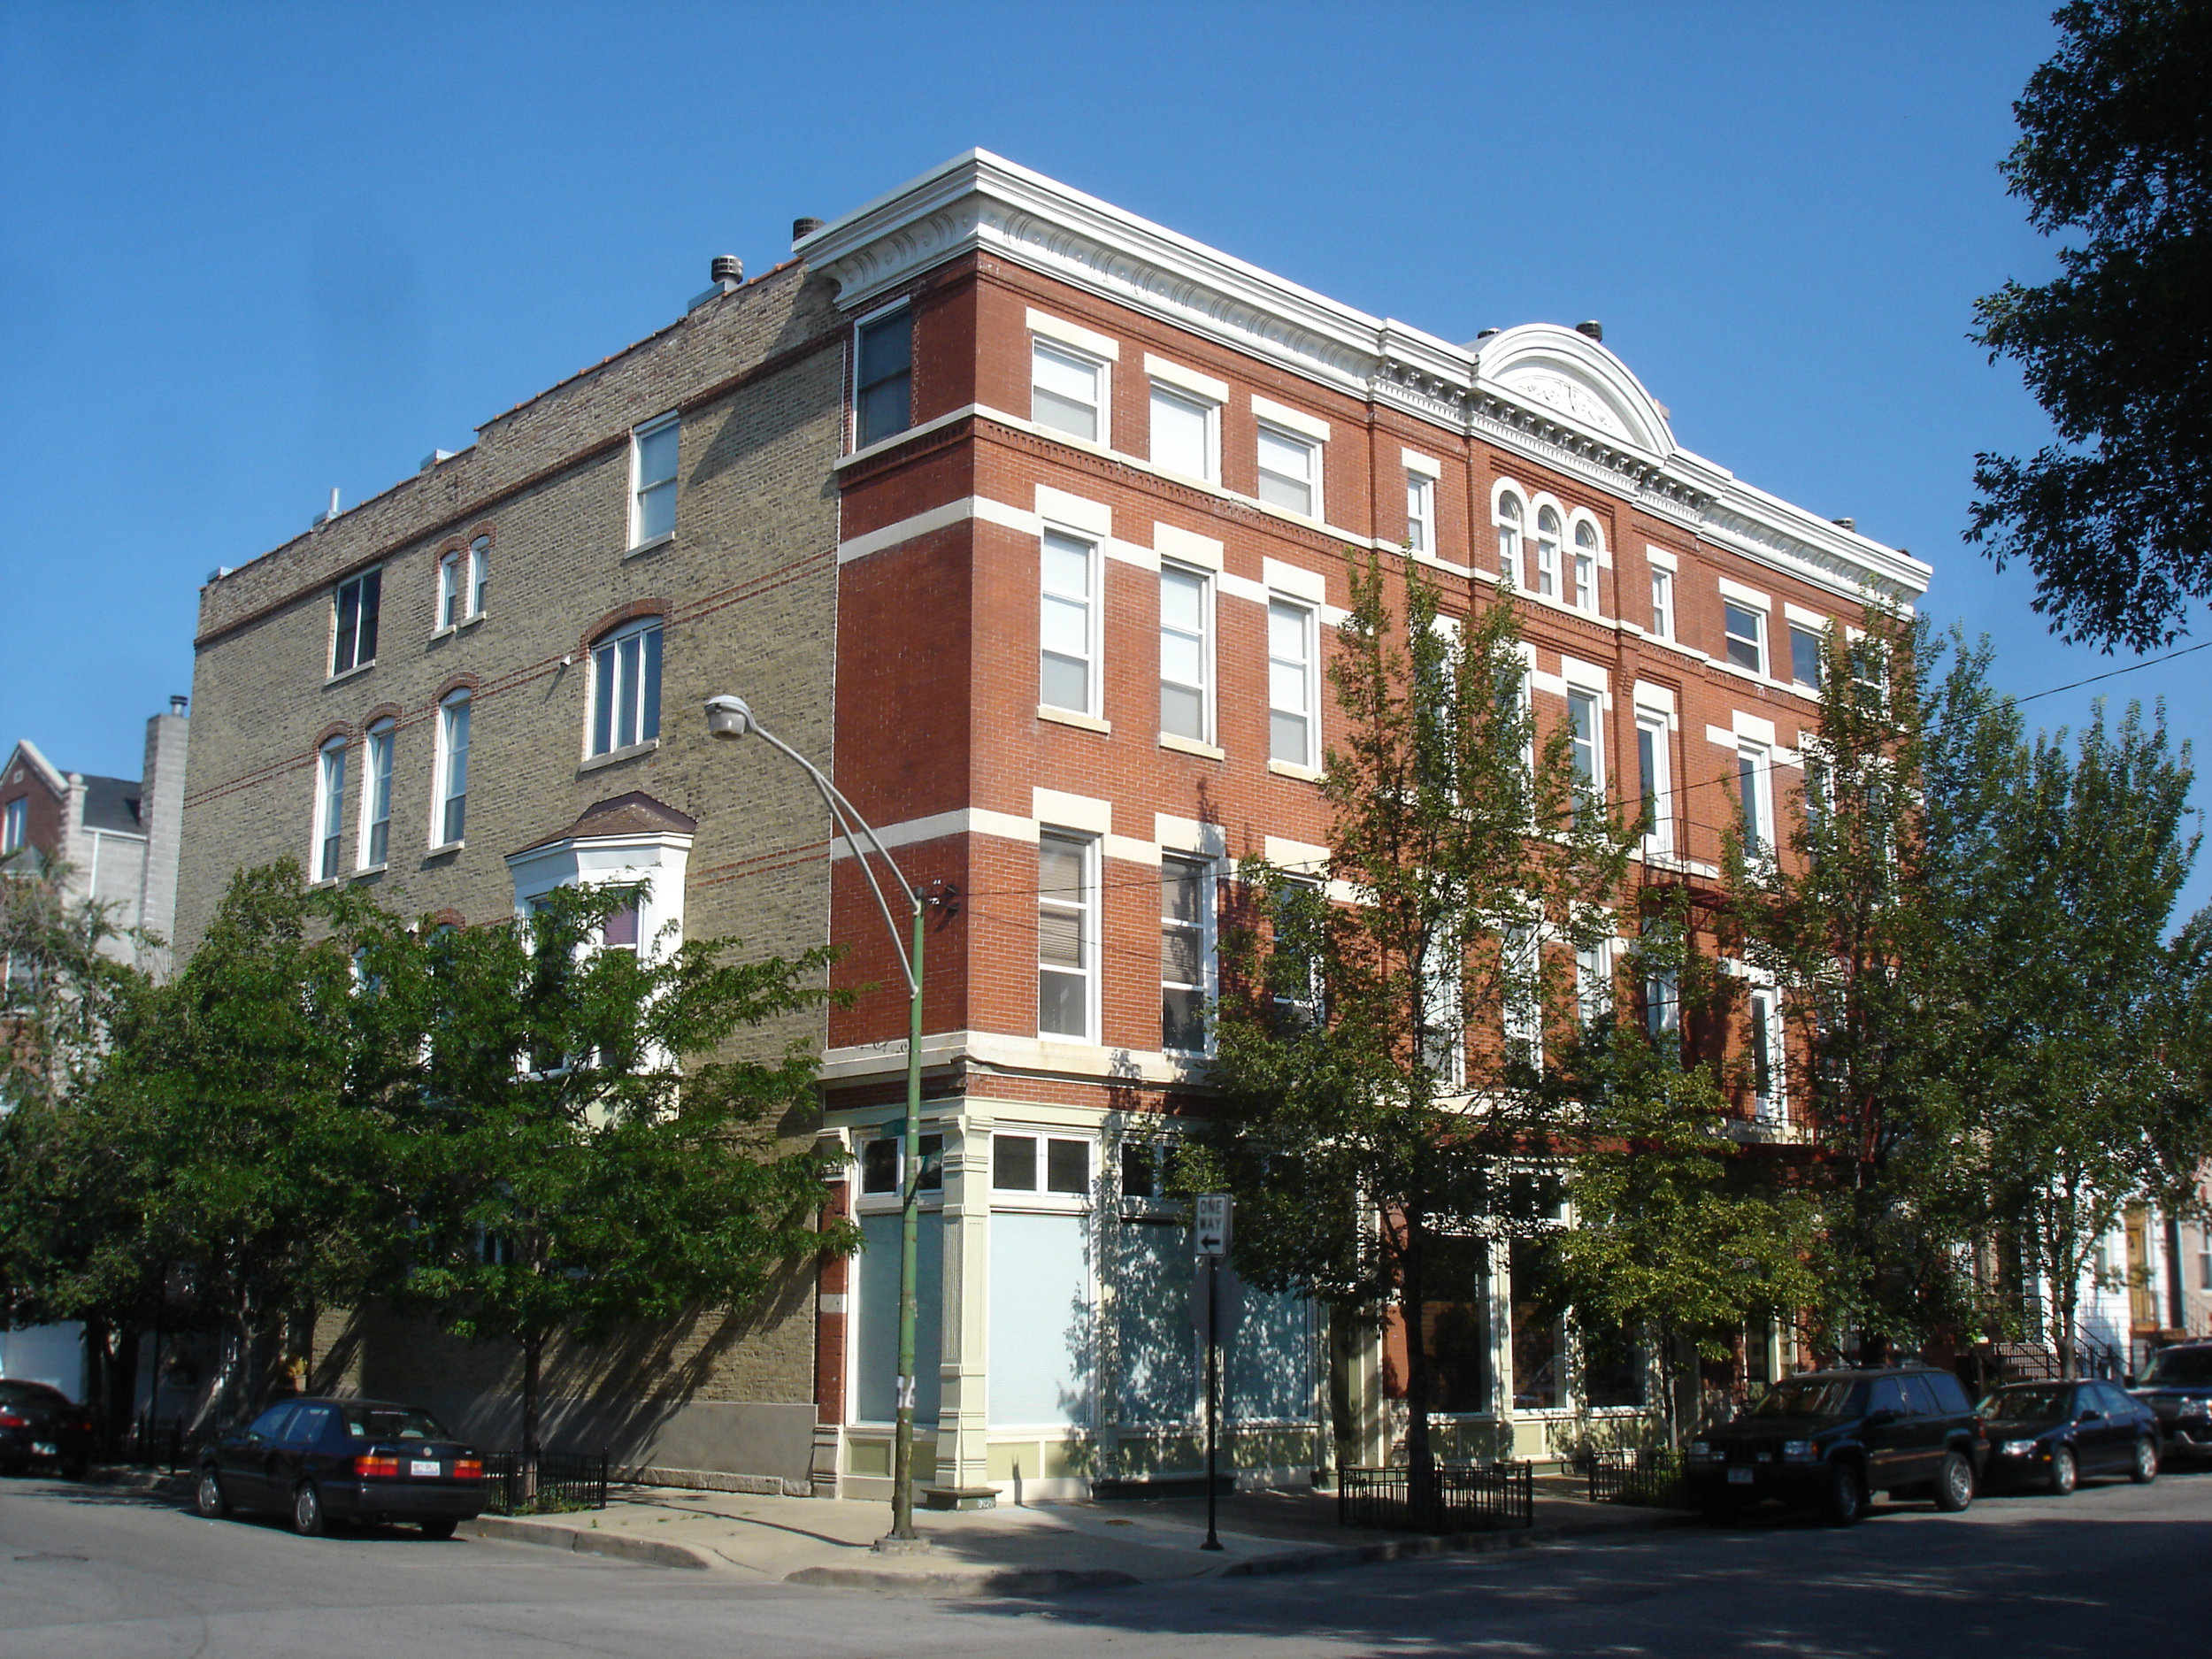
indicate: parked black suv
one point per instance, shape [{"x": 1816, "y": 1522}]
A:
[
  {"x": 2177, "y": 1387},
  {"x": 1833, "y": 1437}
]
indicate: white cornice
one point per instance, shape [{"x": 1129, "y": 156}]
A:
[{"x": 1540, "y": 390}]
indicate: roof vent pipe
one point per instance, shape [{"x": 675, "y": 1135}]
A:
[
  {"x": 1593, "y": 328},
  {"x": 177, "y": 705},
  {"x": 1848, "y": 524},
  {"x": 801, "y": 228},
  {"x": 727, "y": 269}
]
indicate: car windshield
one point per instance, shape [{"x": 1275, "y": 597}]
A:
[
  {"x": 2190, "y": 1365},
  {"x": 2025, "y": 1404},
  {"x": 391, "y": 1422},
  {"x": 1809, "y": 1397}
]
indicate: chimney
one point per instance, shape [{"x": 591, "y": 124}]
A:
[
  {"x": 161, "y": 813},
  {"x": 800, "y": 229},
  {"x": 1593, "y": 328}
]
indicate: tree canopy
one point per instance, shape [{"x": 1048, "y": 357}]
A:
[{"x": 2115, "y": 519}]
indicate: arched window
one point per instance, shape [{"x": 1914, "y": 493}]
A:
[
  {"x": 625, "y": 691},
  {"x": 1510, "y": 537},
  {"x": 1585, "y": 565},
  {"x": 1547, "y": 553},
  {"x": 462, "y": 575},
  {"x": 330, "y": 807}
]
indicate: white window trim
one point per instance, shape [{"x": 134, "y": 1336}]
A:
[
  {"x": 1421, "y": 510},
  {"x": 1296, "y": 421},
  {"x": 337, "y": 609},
  {"x": 1499, "y": 491},
  {"x": 637, "y": 627},
  {"x": 1317, "y": 450},
  {"x": 1765, "y": 669},
  {"x": 15, "y": 821},
  {"x": 1093, "y": 847},
  {"x": 440, "y": 778},
  {"x": 1209, "y": 986},
  {"x": 1662, "y": 616},
  {"x": 1086, "y": 341},
  {"x": 1577, "y": 687},
  {"x": 1037, "y": 1198},
  {"x": 860, "y": 324},
  {"x": 644, "y": 430},
  {"x": 1312, "y": 667},
  {"x": 329, "y": 816},
  {"x": 1601, "y": 560},
  {"x": 1206, "y": 649},
  {"x": 1659, "y": 841},
  {"x": 1772, "y": 1109},
  {"x": 1211, "y": 408},
  {"x": 1538, "y": 507},
  {"x": 1761, "y": 758},
  {"x": 1183, "y": 379},
  {"x": 1100, "y": 363},
  {"x": 384, "y": 734},
  {"x": 1093, "y": 675}
]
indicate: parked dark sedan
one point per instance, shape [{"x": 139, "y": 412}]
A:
[
  {"x": 2051, "y": 1434},
  {"x": 2177, "y": 1386},
  {"x": 41, "y": 1424},
  {"x": 328, "y": 1461},
  {"x": 1831, "y": 1437}
]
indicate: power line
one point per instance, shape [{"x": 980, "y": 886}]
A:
[{"x": 2150, "y": 662}]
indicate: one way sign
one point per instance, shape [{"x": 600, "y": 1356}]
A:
[{"x": 1213, "y": 1223}]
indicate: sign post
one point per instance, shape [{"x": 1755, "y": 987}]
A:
[{"x": 1212, "y": 1237}]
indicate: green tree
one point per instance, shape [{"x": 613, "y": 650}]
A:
[
  {"x": 579, "y": 1151},
  {"x": 1381, "y": 1047},
  {"x": 2116, "y": 517},
  {"x": 2060, "y": 1049}
]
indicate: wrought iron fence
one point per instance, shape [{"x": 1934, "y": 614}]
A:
[
  {"x": 567, "y": 1480},
  {"x": 150, "y": 1442},
  {"x": 1467, "y": 1498},
  {"x": 1650, "y": 1476}
]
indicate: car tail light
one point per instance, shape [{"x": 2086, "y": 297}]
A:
[
  {"x": 376, "y": 1467},
  {"x": 468, "y": 1469},
  {"x": 9, "y": 1420}
]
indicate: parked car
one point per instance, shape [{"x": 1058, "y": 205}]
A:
[
  {"x": 331, "y": 1462},
  {"x": 2177, "y": 1386},
  {"x": 41, "y": 1424},
  {"x": 1832, "y": 1439},
  {"x": 2052, "y": 1434}
]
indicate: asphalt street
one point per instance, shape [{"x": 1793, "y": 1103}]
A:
[{"x": 2113, "y": 1569}]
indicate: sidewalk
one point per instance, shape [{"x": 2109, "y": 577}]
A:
[{"x": 1036, "y": 1549}]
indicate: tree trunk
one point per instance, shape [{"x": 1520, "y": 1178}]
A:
[
  {"x": 1420, "y": 1457},
  {"x": 533, "y": 1362}
]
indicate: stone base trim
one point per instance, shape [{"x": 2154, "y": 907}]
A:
[{"x": 710, "y": 1480}]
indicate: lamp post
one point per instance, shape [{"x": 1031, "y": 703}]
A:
[{"x": 733, "y": 718}]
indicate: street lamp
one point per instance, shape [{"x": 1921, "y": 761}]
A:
[{"x": 734, "y": 718}]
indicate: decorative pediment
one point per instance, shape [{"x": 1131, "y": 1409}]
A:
[{"x": 1568, "y": 373}]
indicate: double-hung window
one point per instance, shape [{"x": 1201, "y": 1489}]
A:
[
  {"x": 1420, "y": 512},
  {"x": 330, "y": 807},
  {"x": 1290, "y": 470},
  {"x": 14, "y": 825},
  {"x": 1067, "y": 634},
  {"x": 1547, "y": 553},
  {"x": 653, "y": 480},
  {"x": 1067, "y": 936},
  {"x": 353, "y": 640},
  {"x": 1187, "y": 916},
  {"x": 1067, "y": 391},
  {"x": 625, "y": 691},
  {"x": 451, "y": 804},
  {"x": 1804, "y": 657},
  {"x": 463, "y": 574},
  {"x": 1652, "y": 780},
  {"x": 1509, "y": 524},
  {"x": 1291, "y": 688},
  {"x": 1767, "y": 1092},
  {"x": 883, "y": 378},
  {"x": 376, "y": 796},
  {"x": 1583, "y": 749},
  {"x": 1594, "y": 983},
  {"x": 1585, "y": 594},
  {"x": 1186, "y": 434},
  {"x": 1752, "y": 763},
  {"x": 1662, "y": 602},
  {"x": 1185, "y": 653},
  {"x": 1521, "y": 967},
  {"x": 1747, "y": 632},
  {"x": 1663, "y": 1003},
  {"x": 1294, "y": 969},
  {"x": 1443, "y": 1045}
]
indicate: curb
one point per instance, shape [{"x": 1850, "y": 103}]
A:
[
  {"x": 583, "y": 1541},
  {"x": 176, "y": 1485},
  {"x": 1449, "y": 1544},
  {"x": 1004, "y": 1581}
]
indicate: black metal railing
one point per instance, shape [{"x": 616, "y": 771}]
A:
[
  {"x": 150, "y": 1442},
  {"x": 1467, "y": 1498},
  {"x": 567, "y": 1480},
  {"x": 1650, "y": 1476}
]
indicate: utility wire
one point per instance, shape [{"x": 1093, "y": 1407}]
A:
[{"x": 2149, "y": 662}]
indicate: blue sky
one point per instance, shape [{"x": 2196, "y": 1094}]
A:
[{"x": 250, "y": 253}]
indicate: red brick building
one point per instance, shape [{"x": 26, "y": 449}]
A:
[{"x": 1026, "y": 518}]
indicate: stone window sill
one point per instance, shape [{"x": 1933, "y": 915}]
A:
[
  {"x": 653, "y": 544},
  {"x": 1191, "y": 746},
  {"x": 1081, "y": 722},
  {"x": 1291, "y": 768},
  {"x": 615, "y": 756}
]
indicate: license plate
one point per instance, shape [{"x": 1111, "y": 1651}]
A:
[
  {"x": 419, "y": 1468},
  {"x": 1739, "y": 1476}
]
